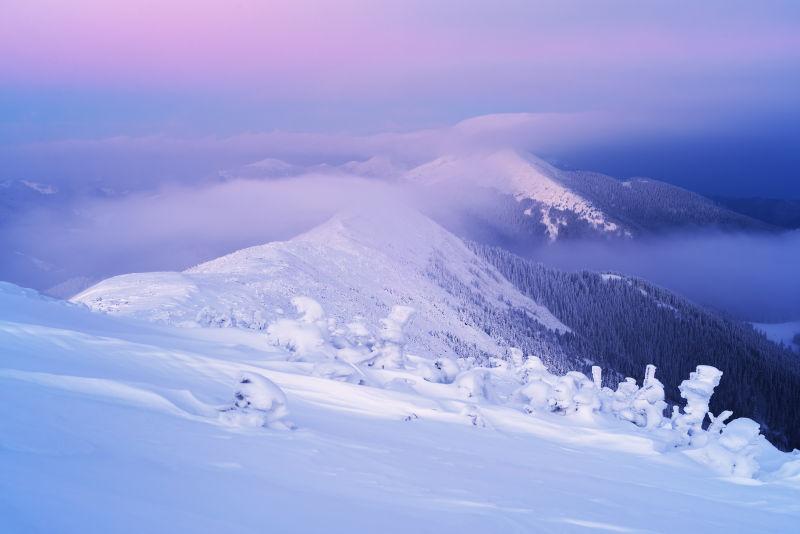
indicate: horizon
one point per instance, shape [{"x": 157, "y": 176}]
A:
[{"x": 701, "y": 96}]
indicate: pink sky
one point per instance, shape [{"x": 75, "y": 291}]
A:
[{"x": 281, "y": 46}]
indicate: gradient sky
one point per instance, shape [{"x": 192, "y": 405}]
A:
[{"x": 714, "y": 83}]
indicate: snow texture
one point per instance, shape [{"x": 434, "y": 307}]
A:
[{"x": 114, "y": 425}]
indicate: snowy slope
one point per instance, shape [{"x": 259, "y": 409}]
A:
[
  {"x": 558, "y": 204},
  {"x": 525, "y": 177},
  {"x": 112, "y": 425},
  {"x": 357, "y": 264}
]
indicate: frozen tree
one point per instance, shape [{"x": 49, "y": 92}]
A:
[
  {"x": 389, "y": 353},
  {"x": 588, "y": 397},
  {"x": 563, "y": 397},
  {"x": 257, "y": 402},
  {"x": 697, "y": 391},
  {"x": 648, "y": 402},
  {"x": 622, "y": 401},
  {"x": 597, "y": 376}
]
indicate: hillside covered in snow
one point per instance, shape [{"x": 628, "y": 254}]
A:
[
  {"x": 357, "y": 264},
  {"x": 471, "y": 302},
  {"x": 111, "y": 424}
]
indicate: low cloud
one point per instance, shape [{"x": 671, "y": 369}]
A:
[
  {"x": 752, "y": 276},
  {"x": 173, "y": 228}
]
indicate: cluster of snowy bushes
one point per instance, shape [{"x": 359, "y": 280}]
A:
[
  {"x": 352, "y": 353},
  {"x": 729, "y": 448}
]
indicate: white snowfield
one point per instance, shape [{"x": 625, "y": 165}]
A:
[
  {"x": 108, "y": 424},
  {"x": 358, "y": 264}
]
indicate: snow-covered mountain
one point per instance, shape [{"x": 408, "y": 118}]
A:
[
  {"x": 513, "y": 197},
  {"x": 358, "y": 264},
  {"x": 361, "y": 263},
  {"x": 508, "y": 196},
  {"x": 532, "y": 182}
]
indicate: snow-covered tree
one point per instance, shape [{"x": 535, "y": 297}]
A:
[
  {"x": 390, "y": 351},
  {"x": 648, "y": 402},
  {"x": 697, "y": 390},
  {"x": 622, "y": 400}
]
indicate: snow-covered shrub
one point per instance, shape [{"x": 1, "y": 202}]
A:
[
  {"x": 697, "y": 391},
  {"x": 389, "y": 353},
  {"x": 533, "y": 369},
  {"x": 441, "y": 370},
  {"x": 537, "y": 389},
  {"x": 718, "y": 422},
  {"x": 257, "y": 402},
  {"x": 587, "y": 400},
  {"x": 475, "y": 384},
  {"x": 536, "y": 395},
  {"x": 573, "y": 392},
  {"x": 648, "y": 402},
  {"x": 568, "y": 394},
  {"x": 563, "y": 394},
  {"x": 732, "y": 453},
  {"x": 353, "y": 343},
  {"x": 305, "y": 335},
  {"x": 622, "y": 401}
]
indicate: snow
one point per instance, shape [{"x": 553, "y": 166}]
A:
[
  {"x": 357, "y": 264},
  {"x": 523, "y": 176},
  {"x": 111, "y": 424}
]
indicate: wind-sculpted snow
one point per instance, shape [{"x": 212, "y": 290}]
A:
[
  {"x": 358, "y": 264},
  {"x": 110, "y": 424}
]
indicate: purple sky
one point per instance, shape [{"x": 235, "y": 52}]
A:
[{"x": 693, "y": 72}]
